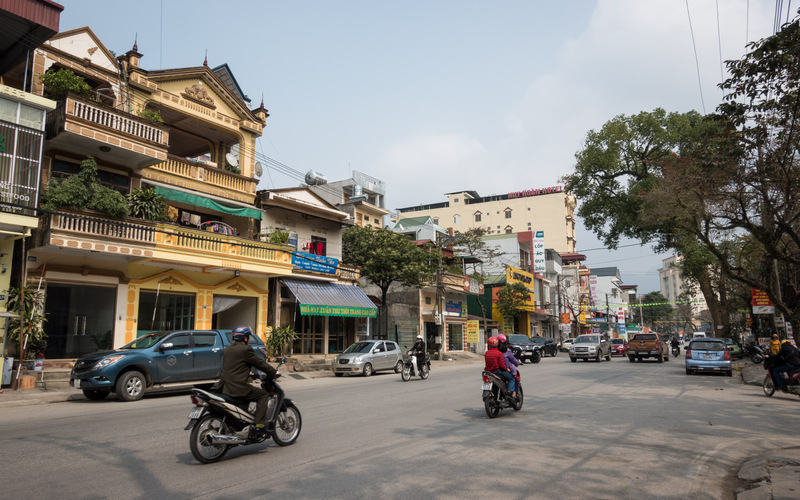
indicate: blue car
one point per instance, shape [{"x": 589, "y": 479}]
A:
[{"x": 709, "y": 355}]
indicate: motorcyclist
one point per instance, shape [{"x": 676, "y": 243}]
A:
[
  {"x": 418, "y": 351},
  {"x": 237, "y": 361},
  {"x": 511, "y": 361},
  {"x": 495, "y": 362},
  {"x": 790, "y": 356},
  {"x": 675, "y": 344}
]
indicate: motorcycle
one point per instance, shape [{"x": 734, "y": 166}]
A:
[
  {"x": 410, "y": 367},
  {"x": 496, "y": 396},
  {"x": 676, "y": 349},
  {"x": 791, "y": 379},
  {"x": 755, "y": 352},
  {"x": 219, "y": 422}
]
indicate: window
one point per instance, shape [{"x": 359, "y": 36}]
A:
[
  {"x": 427, "y": 301},
  {"x": 508, "y": 213},
  {"x": 436, "y": 220},
  {"x": 509, "y": 230},
  {"x": 456, "y": 219},
  {"x": 118, "y": 182},
  {"x": 477, "y": 217},
  {"x": 205, "y": 339},
  {"x": 455, "y": 200},
  {"x": 178, "y": 341},
  {"x": 318, "y": 246},
  {"x": 165, "y": 311}
]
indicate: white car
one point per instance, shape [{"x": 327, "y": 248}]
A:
[
  {"x": 368, "y": 357},
  {"x": 590, "y": 346}
]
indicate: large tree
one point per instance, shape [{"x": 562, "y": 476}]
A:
[{"x": 386, "y": 257}]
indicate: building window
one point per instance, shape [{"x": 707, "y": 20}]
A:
[
  {"x": 477, "y": 216},
  {"x": 509, "y": 230},
  {"x": 508, "y": 213},
  {"x": 118, "y": 182},
  {"x": 318, "y": 246},
  {"x": 456, "y": 219},
  {"x": 427, "y": 301},
  {"x": 436, "y": 220},
  {"x": 455, "y": 200}
]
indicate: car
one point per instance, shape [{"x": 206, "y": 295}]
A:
[
  {"x": 565, "y": 345},
  {"x": 547, "y": 344},
  {"x": 590, "y": 346},
  {"x": 367, "y": 357},
  {"x": 706, "y": 354},
  {"x": 524, "y": 348},
  {"x": 155, "y": 360},
  {"x": 619, "y": 347},
  {"x": 734, "y": 348}
]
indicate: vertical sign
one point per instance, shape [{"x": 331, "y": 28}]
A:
[
  {"x": 593, "y": 289},
  {"x": 538, "y": 253},
  {"x": 472, "y": 331}
]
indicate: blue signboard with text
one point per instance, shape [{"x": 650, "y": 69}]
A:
[{"x": 315, "y": 263}]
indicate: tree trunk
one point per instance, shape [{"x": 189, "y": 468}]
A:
[{"x": 714, "y": 306}]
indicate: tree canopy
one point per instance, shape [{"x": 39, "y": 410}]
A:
[{"x": 511, "y": 299}]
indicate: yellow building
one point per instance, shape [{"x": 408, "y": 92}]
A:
[{"x": 108, "y": 280}]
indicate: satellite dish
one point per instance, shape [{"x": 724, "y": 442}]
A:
[
  {"x": 232, "y": 161},
  {"x": 259, "y": 169}
]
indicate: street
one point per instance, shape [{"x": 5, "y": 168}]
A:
[{"x": 586, "y": 430}]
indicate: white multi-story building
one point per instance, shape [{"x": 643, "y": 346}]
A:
[{"x": 673, "y": 285}]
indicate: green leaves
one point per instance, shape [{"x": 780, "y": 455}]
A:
[
  {"x": 511, "y": 299},
  {"x": 84, "y": 191},
  {"x": 147, "y": 204},
  {"x": 57, "y": 83}
]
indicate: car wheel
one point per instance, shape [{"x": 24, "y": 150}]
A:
[
  {"x": 555, "y": 352},
  {"x": 660, "y": 358},
  {"x": 398, "y": 367},
  {"x": 522, "y": 361},
  {"x": 730, "y": 373},
  {"x": 639, "y": 359},
  {"x": 688, "y": 371},
  {"x": 130, "y": 386},
  {"x": 95, "y": 395},
  {"x": 536, "y": 358},
  {"x": 368, "y": 370},
  {"x": 631, "y": 359},
  {"x": 572, "y": 359}
]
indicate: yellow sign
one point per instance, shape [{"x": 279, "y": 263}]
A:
[
  {"x": 472, "y": 331},
  {"x": 582, "y": 318}
]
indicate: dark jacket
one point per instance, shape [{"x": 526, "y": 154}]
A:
[
  {"x": 237, "y": 361},
  {"x": 790, "y": 354},
  {"x": 418, "y": 347}
]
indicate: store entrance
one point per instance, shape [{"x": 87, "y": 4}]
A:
[{"x": 80, "y": 319}]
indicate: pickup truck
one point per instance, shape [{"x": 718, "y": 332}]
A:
[
  {"x": 647, "y": 345},
  {"x": 155, "y": 360}
]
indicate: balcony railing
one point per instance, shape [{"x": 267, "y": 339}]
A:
[
  {"x": 212, "y": 176},
  {"x": 204, "y": 242},
  {"x": 139, "y": 234},
  {"x": 349, "y": 273}
]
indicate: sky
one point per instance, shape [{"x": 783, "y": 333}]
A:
[{"x": 436, "y": 96}]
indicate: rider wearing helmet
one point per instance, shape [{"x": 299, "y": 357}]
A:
[
  {"x": 790, "y": 356},
  {"x": 237, "y": 361},
  {"x": 495, "y": 362},
  {"x": 511, "y": 361},
  {"x": 418, "y": 351}
]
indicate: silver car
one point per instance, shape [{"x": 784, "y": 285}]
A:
[
  {"x": 368, "y": 357},
  {"x": 590, "y": 346}
]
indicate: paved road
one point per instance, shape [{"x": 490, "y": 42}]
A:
[{"x": 587, "y": 430}]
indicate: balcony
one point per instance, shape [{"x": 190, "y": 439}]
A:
[
  {"x": 200, "y": 176},
  {"x": 348, "y": 273},
  {"x": 72, "y": 233},
  {"x": 212, "y": 252},
  {"x": 86, "y": 127}
]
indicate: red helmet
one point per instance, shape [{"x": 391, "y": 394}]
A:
[
  {"x": 492, "y": 342},
  {"x": 502, "y": 338}
]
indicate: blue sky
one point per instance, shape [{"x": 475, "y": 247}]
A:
[{"x": 438, "y": 96}]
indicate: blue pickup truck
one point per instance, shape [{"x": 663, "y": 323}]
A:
[{"x": 155, "y": 360}]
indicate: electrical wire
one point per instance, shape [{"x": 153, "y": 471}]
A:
[{"x": 696, "y": 60}]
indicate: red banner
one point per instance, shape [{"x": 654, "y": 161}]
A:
[{"x": 760, "y": 298}]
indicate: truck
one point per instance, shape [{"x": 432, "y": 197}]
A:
[
  {"x": 156, "y": 360},
  {"x": 647, "y": 345}
]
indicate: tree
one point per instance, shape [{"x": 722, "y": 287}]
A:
[
  {"x": 471, "y": 243},
  {"x": 655, "y": 310},
  {"x": 386, "y": 257},
  {"x": 511, "y": 299}
]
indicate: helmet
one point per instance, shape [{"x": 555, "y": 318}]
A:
[
  {"x": 419, "y": 337},
  {"x": 241, "y": 334},
  {"x": 492, "y": 342},
  {"x": 786, "y": 341},
  {"x": 502, "y": 338}
]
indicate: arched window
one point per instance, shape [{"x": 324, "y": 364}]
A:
[
  {"x": 477, "y": 216},
  {"x": 456, "y": 219},
  {"x": 508, "y": 213},
  {"x": 509, "y": 230}
]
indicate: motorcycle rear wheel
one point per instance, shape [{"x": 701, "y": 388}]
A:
[
  {"x": 202, "y": 448},
  {"x": 405, "y": 373},
  {"x": 287, "y": 426},
  {"x": 423, "y": 372},
  {"x": 492, "y": 407},
  {"x": 756, "y": 358},
  {"x": 768, "y": 386},
  {"x": 518, "y": 404}
]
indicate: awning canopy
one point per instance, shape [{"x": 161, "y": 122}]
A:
[
  {"x": 331, "y": 299},
  {"x": 201, "y": 201}
]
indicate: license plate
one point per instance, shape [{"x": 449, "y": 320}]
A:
[
  {"x": 196, "y": 412},
  {"x": 76, "y": 383},
  {"x": 486, "y": 386},
  {"x": 706, "y": 356}
]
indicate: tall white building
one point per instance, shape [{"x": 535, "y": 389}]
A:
[{"x": 673, "y": 285}]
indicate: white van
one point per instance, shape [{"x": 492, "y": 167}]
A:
[{"x": 699, "y": 335}]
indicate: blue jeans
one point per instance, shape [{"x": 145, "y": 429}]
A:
[
  {"x": 777, "y": 373},
  {"x": 510, "y": 379}
]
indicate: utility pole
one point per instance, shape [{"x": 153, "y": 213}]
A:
[
  {"x": 558, "y": 310},
  {"x": 608, "y": 318}
]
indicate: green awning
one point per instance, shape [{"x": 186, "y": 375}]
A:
[
  {"x": 200, "y": 201},
  {"x": 331, "y": 299}
]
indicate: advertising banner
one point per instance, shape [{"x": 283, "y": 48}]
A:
[
  {"x": 539, "y": 265},
  {"x": 472, "y": 331},
  {"x": 761, "y": 303}
]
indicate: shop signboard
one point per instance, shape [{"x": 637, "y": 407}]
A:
[
  {"x": 472, "y": 331},
  {"x": 761, "y": 303},
  {"x": 539, "y": 265}
]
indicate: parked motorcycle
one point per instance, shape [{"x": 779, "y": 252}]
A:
[
  {"x": 791, "y": 379},
  {"x": 219, "y": 422},
  {"x": 496, "y": 396},
  {"x": 410, "y": 367},
  {"x": 755, "y": 352}
]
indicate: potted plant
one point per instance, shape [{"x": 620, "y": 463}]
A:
[
  {"x": 59, "y": 82},
  {"x": 31, "y": 323},
  {"x": 84, "y": 191},
  {"x": 146, "y": 204},
  {"x": 279, "y": 338}
]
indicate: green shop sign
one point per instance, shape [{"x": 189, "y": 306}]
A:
[{"x": 323, "y": 310}]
